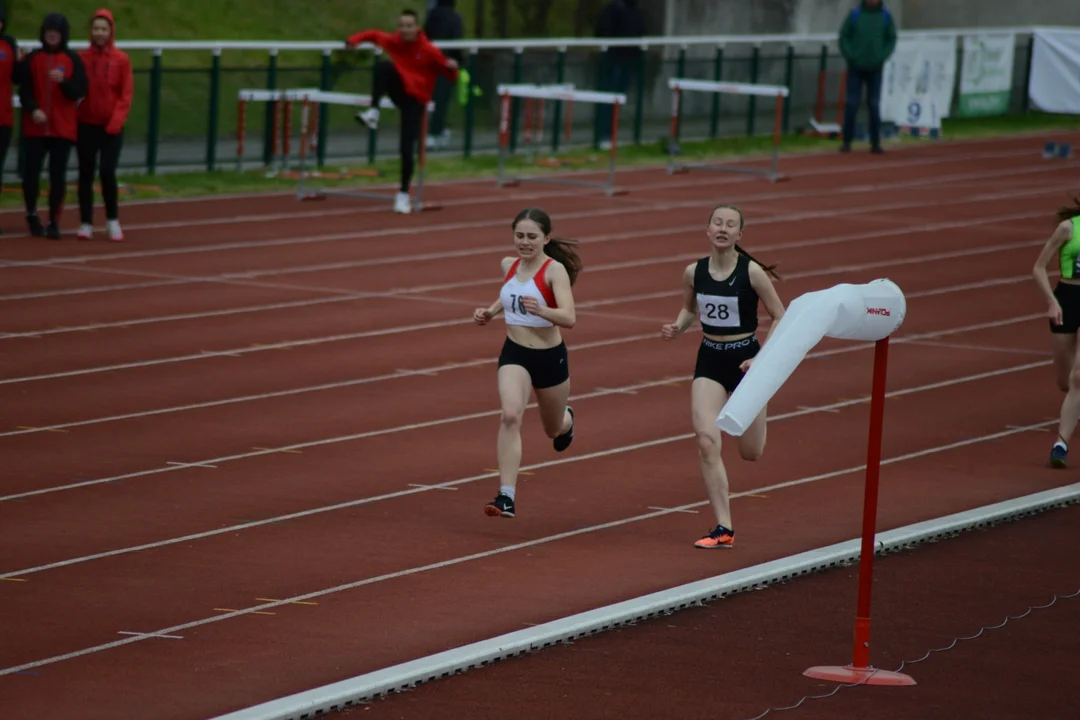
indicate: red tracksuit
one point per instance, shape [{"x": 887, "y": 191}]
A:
[
  {"x": 111, "y": 88},
  {"x": 57, "y": 99},
  {"x": 9, "y": 69},
  {"x": 417, "y": 62}
]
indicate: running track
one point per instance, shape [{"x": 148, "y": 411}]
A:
[{"x": 246, "y": 453}]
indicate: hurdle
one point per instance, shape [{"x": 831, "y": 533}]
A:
[
  {"x": 310, "y": 99},
  {"x": 281, "y": 102},
  {"x": 544, "y": 93},
  {"x": 679, "y": 85}
]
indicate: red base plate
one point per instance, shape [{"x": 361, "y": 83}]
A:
[{"x": 849, "y": 675}]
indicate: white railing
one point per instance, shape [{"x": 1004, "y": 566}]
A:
[{"x": 522, "y": 44}]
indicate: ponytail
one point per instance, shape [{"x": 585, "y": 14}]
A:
[
  {"x": 771, "y": 269},
  {"x": 562, "y": 251},
  {"x": 1067, "y": 212}
]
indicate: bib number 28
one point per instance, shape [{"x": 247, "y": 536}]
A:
[{"x": 723, "y": 311}]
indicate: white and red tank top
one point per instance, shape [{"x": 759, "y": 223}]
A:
[{"x": 514, "y": 291}]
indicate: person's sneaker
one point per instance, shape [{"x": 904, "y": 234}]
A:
[
  {"x": 86, "y": 232},
  {"x": 53, "y": 231},
  {"x": 115, "y": 233},
  {"x": 721, "y": 537},
  {"x": 402, "y": 204},
  {"x": 845, "y": 148},
  {"x": 369, "y": 117},
  {"x": 877, "y": 150},
  {"x": 563, "y": 441},
  {"x": 502, "y": 505},
  {"x": 1057, "y": 456},
  {"x": 36, "y": 228}
]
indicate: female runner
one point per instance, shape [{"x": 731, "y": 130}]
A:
[
  {"x": 1064, "y": 314},
  {"x": 722, "y": 290},
  {"x": 537, "y": 301}
]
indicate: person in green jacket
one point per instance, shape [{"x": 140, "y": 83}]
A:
[{"x": 867, "y": 40}]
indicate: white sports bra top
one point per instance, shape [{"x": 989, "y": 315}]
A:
[{"x": 514, "y": 291}]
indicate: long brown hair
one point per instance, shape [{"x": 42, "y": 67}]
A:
[
  {"x": 1069, "y": 212},
  {"x": 771, "y": 269},
  {"x": 559, "y": 249}
]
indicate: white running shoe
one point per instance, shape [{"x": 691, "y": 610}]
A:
[
  {"x": 86, "y": 232},
  {"x": 369, "y": 117},
  {"x": 402, "y": 203},
  {"x": 115, "y": 233}
]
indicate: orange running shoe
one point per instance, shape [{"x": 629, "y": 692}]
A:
[{"x": 721, "y": 537}]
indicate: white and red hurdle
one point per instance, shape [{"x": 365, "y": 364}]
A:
[
  {"x": 535, "y": 96},
  {"x": 309, "y": 100},
  {"x": 680, "y": 85}
]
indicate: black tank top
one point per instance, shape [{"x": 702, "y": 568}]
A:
[{"x": 728, "y": 306}]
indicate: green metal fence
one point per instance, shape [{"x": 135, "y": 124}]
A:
[{"x": 185, "y": 108}]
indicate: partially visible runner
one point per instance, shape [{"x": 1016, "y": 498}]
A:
[
  {"x": 409, "y": 81},
  {"x": 9, "y": 76},
  {"x": 722, "y": 291},
  {"x": 537, "y": 300},
  {"x": 1064, "y": 316}
]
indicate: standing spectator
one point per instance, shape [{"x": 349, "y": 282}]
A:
[
  {"x": 867, "y": 41},
  {"x": 619, "y": 19},
  {"x": 101, "y": 123},
  {"x": 52, "y": 82},
  {"x": 443, "y": 23},
  {"x": 9, "y": 76}
]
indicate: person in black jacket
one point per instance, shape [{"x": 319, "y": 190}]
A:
[
  {"x": 619, "y": 19},
  {"x": 443, "y": 23}
]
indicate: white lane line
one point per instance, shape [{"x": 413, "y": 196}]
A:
[
  {"x": 191, "y": 465},
  {"x": 472, "y": 416},
  {"x": 982, "y": 348},
  {"x": 434, "y": 370},
  {"x": 622, "y": 210},
  {"x": 511, "y": 548},
  {"x": 150, "y": 635},
  {"x": 454, "y": 484},
  {"x": 894, "y": 262},
  {"x": 428, "y": 371},
  {"x": 411, "y": 292}
]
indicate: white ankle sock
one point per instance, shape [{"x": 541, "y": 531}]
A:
[{"x": 507, "y": 491}]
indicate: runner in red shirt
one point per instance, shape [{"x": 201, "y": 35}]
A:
[
  {"x": 9, "y": 75},
  {"x": 409, "y": 81},
  {"x": 52, "y": 82},
  {"x": 102, "y": 116}
]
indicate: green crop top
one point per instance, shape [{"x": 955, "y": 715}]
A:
[{"x": 1069, "y": 252}]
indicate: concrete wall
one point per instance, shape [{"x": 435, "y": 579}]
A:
[{"x": 929, "y": 14}]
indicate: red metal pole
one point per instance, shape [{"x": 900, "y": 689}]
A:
[
  {"x": 870, "y": 501},
  {"x": 860, "y": 671}
]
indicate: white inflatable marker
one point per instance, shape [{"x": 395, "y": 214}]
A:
[{"x": 868, "y": 313}]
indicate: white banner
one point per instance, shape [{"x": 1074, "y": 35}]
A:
[
  {"x": 918, "y": 81},
  {"x": 1055, "y": 71},
  {"x": 987, "y": 75}
]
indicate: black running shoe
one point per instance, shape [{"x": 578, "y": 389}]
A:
[
  {"x": 563, "y": 441},
  {"x": 36, "y": 228},
  {"x": 501, "y": 505},
  {"x": 52, "y": 231}
]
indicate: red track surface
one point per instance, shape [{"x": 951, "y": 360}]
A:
[{"x": 247, "y": 400}]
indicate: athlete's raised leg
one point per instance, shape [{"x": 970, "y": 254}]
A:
[
  {"x": 707, "y": 398},
  {"x": 556, "y": 416},
  {"x": 1064, "y": 348},
  {"x": 752, "y": 442}
]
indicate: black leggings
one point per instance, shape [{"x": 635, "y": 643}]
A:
[
  {"x": 93, "y": 140},
  {"x": 388, "y": 83},
  {"x": 59, "y": 152}
]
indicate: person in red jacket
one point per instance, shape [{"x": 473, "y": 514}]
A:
[
  {"x": 102, "y": 115},
  {"x": 9, "y": 76},
  {"x": 52, "y": 81},
  {"x": 409, "y": 81}
]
